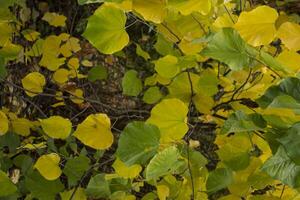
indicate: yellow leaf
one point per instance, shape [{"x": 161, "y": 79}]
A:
[
  {"x": 70, "y": 46},
  {"x": 257, "y": 26},
  {"x": 48, "y": 166},
  {"x": 33, "y": 83},
  {"x": 73, "y": 63},
  {"x": 56, "y": 127},
  {"x": 170, "y": 117},
  {"x": 289, "y": 33},
  {"x": 21, "y": 126},
  {"x": 50, "y": 50},
  {"x": 224, "y": 21},
  {"x": 3, "y": 123},
  {"x": 290, "y": 59},
  {"x": 126, "y": 171},
  {"x": 187, "y": 7},
  {"x": 61, "y": 76},
  {"x": 163, "y": 192},
  {"x": 151, "y": 10},
  {"x": 55, "y": 19},
  {"x": 95, "y": 131},
  {"x": 77, "y": 96}
]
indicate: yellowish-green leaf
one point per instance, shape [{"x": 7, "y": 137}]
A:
[
  {"x": 126, "y": 171},
  {"x": 48, "y": 166},
  {"x": 151, "y": 10},
  {"x": 55, "y": 19},
  {"x": 79, "y": 194},
  {"x": 4, "y": 125},
  {"x": 30, "y": 35},
  {"x": 170, "y": 116},
  {"x": 289, "y": 33},
  {"x": 95, "y": 131},
  {"x": 167, "y": 66},
  {"x": 57, "y": 127},
  {"x": 106, "y": 29},
  {"x": 141, "y": 52},
  {"x": 257, "y": 27},
  {"x": 33, "y": 83}
]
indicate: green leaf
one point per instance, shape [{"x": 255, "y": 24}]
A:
[
  {"x": 131, "y": 84},
  {"x": 138, "y": 143},
  {"x": 97, "y": 73},
  {"x": 152, "y": 95},
  {"x": 240, "y": 122},
  {"x": 288, "y": 87},
  {"x": 10, "y": 140},
  {"x": 75, "y": 168},
  {"x": 3, "y": 72},
  {"x": 41, "y": 188},
  {"x": 98, "y": 187},
  {"x": 208, "y": 83},
  {"x": 218, "y": 179},
  {"x": 281, "y": 167},
  {"x": 270, "y": 61},
  {"x": 7, "y": 187},
  {"x": 106, "y": 29},
  {"x": 166, "y": 161},
  {"x": 291, "y": 143},
  {"x": 227, "y": 46}
]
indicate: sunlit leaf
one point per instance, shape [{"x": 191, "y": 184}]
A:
[
  {"x": 257, "y": 26},
  {"x": 48, "y": 166},
  {"x": 95, "y": 131},
  {"x": 57, "y": 127},
  {"x": 33, "y": 83},
  {"x": 106, "y": 29},
  {"x": 289, "y": 33},
  {"x": 152, "y": 10}
]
